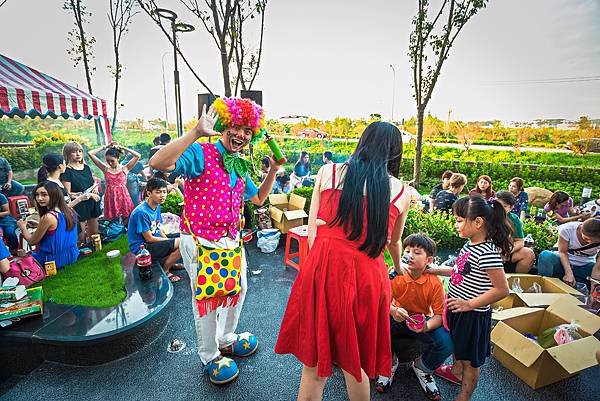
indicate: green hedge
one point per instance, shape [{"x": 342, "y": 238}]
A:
[{"x": 440, "y": 227}]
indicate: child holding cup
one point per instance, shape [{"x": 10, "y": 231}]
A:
[{"x": 416, "y": 312}]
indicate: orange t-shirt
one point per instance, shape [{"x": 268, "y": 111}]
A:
[{"x": 424, "y": 295}]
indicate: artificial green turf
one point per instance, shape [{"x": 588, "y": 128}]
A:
[{"x": 93, "y": 281}]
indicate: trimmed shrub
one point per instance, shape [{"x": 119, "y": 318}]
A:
[{"x": 172, "y": 204}]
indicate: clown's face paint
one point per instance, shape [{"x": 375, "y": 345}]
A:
[{"x": 236, "y": 138}]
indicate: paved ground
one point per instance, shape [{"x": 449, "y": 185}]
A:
[{"x": 153, "y": 373}]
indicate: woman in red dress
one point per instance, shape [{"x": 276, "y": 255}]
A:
[{"x": 338, "y": 310}]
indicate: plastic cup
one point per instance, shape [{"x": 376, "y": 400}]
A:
[{"x": 416, "y": 322}]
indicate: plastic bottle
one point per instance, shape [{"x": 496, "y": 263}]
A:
[
  {"x": 279, "y": 157},
  {"x": 528, "y": 241},
  {"x": 143, "y": 260}
]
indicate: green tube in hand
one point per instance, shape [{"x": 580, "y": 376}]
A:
[{"x": 278, "y": 155}]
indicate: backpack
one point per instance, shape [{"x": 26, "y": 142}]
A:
[{"x": 110, "y": 230}]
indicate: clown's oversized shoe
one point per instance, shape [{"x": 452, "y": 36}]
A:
[
  {"x": 222, "y": 370},
  {"x": 246, "y": 344}
]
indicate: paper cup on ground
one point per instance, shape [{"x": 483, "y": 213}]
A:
[{"x": 115, "y": 253}]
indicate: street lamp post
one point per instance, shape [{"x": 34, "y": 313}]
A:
[
  {"x": 393, "y": 91},
  {"x": 175, "y": 27},
  {"x": 165, "y": 93}
]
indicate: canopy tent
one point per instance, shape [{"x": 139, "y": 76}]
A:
[{"x": 28, "y": 92}]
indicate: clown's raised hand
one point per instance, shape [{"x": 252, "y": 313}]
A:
[{"x": 206, "y": 124}]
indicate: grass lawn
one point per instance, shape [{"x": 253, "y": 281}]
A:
[{"x": 93, "y": 281}]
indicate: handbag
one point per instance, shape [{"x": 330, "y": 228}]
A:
[
  {"x": 218, "y": 276},
  {"x": 26, "y": 269}
]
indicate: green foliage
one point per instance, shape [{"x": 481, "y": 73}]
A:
[
  {"x": 93, "y": 281},
  {"x": 305, "y": 192},
  {"x": 544, "y": 234},
  {"x": 173, "y": 204},
  {"x": 438, "y": 226},
  {"x": 22, "y": 158}
]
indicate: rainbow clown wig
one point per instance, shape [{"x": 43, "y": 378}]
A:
[{"x": 238, "y": 112}]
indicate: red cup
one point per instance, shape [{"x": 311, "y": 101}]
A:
[{"x": 416, "y": 322}]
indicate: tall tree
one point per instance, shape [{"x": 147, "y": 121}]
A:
[
  {"x": 224, "y": 20},
  {"x": 429, "y": 47},
  {"x": 120, "y": 14},
  {"x": 81, "y": 50}
]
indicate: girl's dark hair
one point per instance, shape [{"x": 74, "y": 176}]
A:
[
  {"x": 301, "y": 163},
  {"x": 50, "y": 163},
  {"x": 113, "y": 152},
  {"x": 421, "y": 240},
  {"x": 499, "y": 230},
  {"x": 557, "y": 198},
  {"x": 265, "y": 162},
  {"x": 446, "y": 175},
  {"x": 377, "y": 154},
  {"x": 57, "y": 199},
  {"x": 160, "y": 175},
  {"x": 506, "y": 197},
  {"x": 591, "y": 228}
]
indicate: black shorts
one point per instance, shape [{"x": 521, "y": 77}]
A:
[
  {"x": 510, "y": 266},
  {"x": 470, "y": 332},
  {"x": 161, "y": 250}
]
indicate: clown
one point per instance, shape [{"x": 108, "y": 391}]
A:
[{"x": 217, "y": 182}]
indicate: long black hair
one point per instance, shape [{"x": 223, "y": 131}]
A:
[
  {"x": 56, "y": 200},
  {"x": 377, "y": 154},
  {"x": 50, "y": 163},
  {"x": 499, "y": 230}
]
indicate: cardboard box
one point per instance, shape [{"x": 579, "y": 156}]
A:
[
  {"x": 535, "y": 365},
  {"x": 286, "y": 213},
  {"x": 553, "y": 289}
]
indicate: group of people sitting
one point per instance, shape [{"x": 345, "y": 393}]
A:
[
  {"x": 300, "y": 176},
  {"x": 69, "y": 201}
]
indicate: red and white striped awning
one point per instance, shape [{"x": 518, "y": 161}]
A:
[{"x": 28, "y": 92}]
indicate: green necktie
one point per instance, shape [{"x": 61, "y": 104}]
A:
[{"x": 235, "y": 162}]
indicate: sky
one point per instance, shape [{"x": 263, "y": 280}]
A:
[{"x": 330, "y": 58}]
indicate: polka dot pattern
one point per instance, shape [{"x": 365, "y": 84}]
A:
[
  {"x": 218, "y": 273},
  {"x": 215, "y": 208}
]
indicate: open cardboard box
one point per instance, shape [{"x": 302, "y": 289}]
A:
[
  {"x": 286, "y": 213},
  {"x": 535, "y": 365},
  {"x": 553, "y": 289}
]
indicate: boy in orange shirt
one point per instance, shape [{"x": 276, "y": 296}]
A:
[{"x": 414, "y": 293}]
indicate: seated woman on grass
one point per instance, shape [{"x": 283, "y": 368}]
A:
[
  {"x": 301, "y": 170},
  {"x": 560, "y": 206},
  {"x": 56, "y": 234},
  {"x": 483, "y": 187}
]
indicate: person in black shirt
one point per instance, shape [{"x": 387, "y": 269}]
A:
[
  {"x": 445, "y": 184},
  {"x": 445, "y": 199}
]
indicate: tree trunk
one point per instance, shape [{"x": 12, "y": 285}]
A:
[
  {"x": 117, "y": 77},
  {"x": 225, "y": 66},
  {"x": 418, "y": 148}
]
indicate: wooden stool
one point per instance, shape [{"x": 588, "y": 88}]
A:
[{"x": 300, "y": 234}]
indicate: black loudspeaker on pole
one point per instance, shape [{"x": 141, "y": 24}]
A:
[
  {"x": 205, "y": 99},
  {"x": 255, "y": 96}
]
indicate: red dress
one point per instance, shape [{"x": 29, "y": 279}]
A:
[
  {"x": 339, "y": 307},
  {"x": 117, "y": 201}
]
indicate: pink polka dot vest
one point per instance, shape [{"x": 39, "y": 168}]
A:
[{"x": 211, "y": 205}]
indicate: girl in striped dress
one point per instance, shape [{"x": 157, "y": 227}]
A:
[{"x": 477, "y": 280}]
